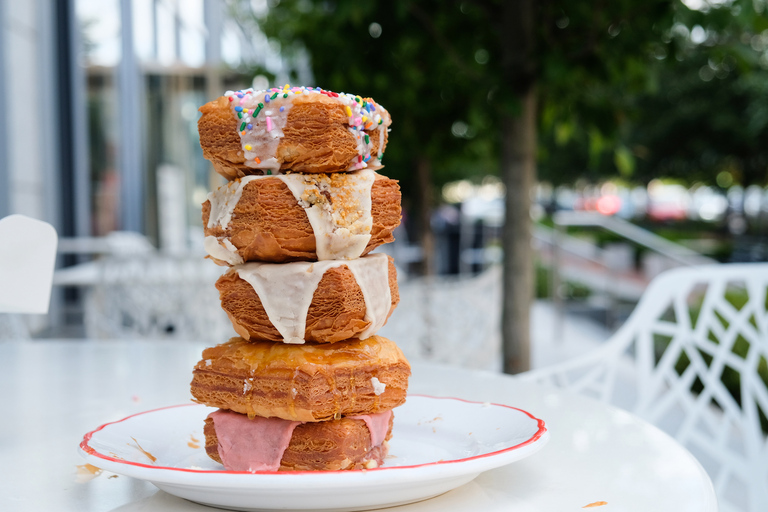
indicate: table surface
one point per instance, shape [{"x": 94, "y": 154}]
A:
[{"x": 55, "y": 391}]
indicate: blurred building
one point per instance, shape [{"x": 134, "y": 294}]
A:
[{"x": 98, "y": 119}]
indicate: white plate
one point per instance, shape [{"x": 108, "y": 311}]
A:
[{"x": 437, "y": 445}]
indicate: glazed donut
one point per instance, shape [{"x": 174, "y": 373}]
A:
[
  {"x": 300, "y": 217},
  {"x": 272, "y": 444},
  {"x": 302, "y": 382},
  {"x": 299, "y": 129},
  {"x": 323, "y": 302}
]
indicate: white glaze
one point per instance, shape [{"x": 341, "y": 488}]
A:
[
  {"x": 223, "y": 201},
  {"x": 342, "y": 224},
  {"x": 286, "y": 291},
  {"x": 376, "y": 292}
]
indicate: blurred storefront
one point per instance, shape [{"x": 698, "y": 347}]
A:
[{"x": 99, "y": 119}]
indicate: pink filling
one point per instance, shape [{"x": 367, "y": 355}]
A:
[
  {"x": 259, "y": 444},
  {"x": 251, "y": 445}
]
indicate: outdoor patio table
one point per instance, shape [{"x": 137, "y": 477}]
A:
[{"x": 55, "y": 391}]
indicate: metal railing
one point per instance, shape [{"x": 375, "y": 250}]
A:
[{"x": 561, "y": 242}]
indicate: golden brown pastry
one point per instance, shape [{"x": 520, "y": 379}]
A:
[
  {"x": 266, "y": 222},
  {"x": 332, "y": 445},
  {"x": 302, "y": 382},
  {"x": 298, "y": 129},
  {"x": 337, "y": 311}
]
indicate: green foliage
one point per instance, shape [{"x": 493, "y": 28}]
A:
[
  {"x": 638, "y": 89},
  {"x": 703, "y": 108},
  {"x": 438, "y": 67}
]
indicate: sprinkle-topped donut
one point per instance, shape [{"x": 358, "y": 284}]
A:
[{"x": 299, "y": 129}]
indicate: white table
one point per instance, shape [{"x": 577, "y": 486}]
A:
[{"x": 55, "y": 391}]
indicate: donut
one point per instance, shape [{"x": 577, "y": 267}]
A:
[
  {"x": 273, "y": 444},
  {"x": 302, "y": 382},
  {"x": 296, "y": 217},
  {"x": 299, "y": 129},
  {"x": 322, "y": 302}
]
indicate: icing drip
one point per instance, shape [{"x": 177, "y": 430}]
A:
[
  {"x": 378, "y": 426},
  {"x": 376, "y": 292},
  {"x": 256, "y": 444},
  {"x": 286, "y": 291},
  {"x": 223, "y": 201},
  {"x": 262, "y": 115},
  {"x": 338, "y": 207}
]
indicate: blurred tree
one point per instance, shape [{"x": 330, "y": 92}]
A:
[
  {"x": 468, "y": 83},
  {"x": 702, "y": 112},
  {"x": 710, "y": 114}
]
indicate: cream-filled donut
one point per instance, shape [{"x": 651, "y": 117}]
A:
[{"x": 300, "y": 217}]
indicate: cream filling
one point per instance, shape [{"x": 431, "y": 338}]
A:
[
  {"x": 338, "y": 208},
  {"x": 340, "y": 215},
  {"x": 286, "y": 291}
]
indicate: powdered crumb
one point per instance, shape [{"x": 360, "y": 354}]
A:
[{"x": 378, "y": 386}]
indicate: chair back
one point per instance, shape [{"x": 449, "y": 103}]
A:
[
  {"x": 156, "y": 297},
  {"x": 27, "y": 258},
  {"x": 693, "y": 360}
]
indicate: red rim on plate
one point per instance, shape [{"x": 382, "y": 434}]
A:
[{"x": 92, "y": 451}]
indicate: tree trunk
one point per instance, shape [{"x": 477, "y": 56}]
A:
[
  {"x": 518, "y": 172},
  {"x": 424, "y": 177}
]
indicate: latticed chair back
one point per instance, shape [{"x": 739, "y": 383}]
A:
[
  {"x": 450, "y": 320},
  {"x": 156, "y": 297},
  {"x": 693, "y": 360}
]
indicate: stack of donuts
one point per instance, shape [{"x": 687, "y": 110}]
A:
[{"x": 307, "y": 385}]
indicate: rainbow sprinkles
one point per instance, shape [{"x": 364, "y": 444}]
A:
[{"x": 262, "y": 115}]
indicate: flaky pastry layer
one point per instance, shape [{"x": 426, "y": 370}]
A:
[{"x": 302, "y": 382}]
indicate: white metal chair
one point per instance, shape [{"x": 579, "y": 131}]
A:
[
  {"x": 450, "y": 320},
  {"x": 693, "y": 360},
  {"x": 156, "y": 297},
  {"x": 27, "y": 257}
]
